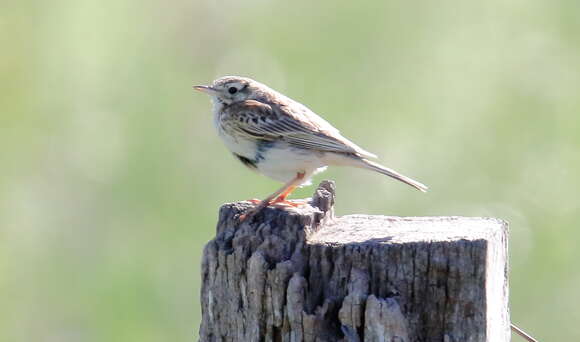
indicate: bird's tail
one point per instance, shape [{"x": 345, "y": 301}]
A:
[{"x": 367, "y": 164}]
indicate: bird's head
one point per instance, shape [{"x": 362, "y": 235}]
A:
[{"x": 230, "y": 89}]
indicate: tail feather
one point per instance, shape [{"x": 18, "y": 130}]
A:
[{"x": 394, "y": 174}]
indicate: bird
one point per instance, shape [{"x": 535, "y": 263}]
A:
[{"x": 281, "y": 138}]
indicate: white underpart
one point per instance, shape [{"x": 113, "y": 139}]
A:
[
  {"x": 279, "y": 162},
  {"x": 283, "y": 163}
]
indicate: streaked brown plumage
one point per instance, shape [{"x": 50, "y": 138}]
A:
[{"x": 282, "y": 138}]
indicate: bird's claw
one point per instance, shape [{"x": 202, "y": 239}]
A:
[
  {"x": 247, "y": 215},
  {"x": 292, "y": 203},
  {"x": 277, "y": 203},
  {"x": 242, "y": 217}
]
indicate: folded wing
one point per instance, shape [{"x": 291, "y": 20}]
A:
[{"x": 262, "y": 121}]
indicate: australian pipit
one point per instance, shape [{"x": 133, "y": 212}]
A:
[{"x": 281, "y": 138}]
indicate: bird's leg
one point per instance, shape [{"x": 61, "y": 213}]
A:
[
  {"x": 281, "y": 200},
  {"x": 286, "y": 189},
  {"x": 286, "y": 193}
]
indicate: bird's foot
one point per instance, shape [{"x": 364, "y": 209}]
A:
[
  {"x": 289, "y": 203},
  {"x": 260, "y": 204},
  {"x": 277, "y": 203}
]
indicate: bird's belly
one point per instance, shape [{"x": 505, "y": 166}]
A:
[
  {"x": 273, "y": 159},
  {"x": 283, "y": 164},
  {"x": 240, "y": 146}
]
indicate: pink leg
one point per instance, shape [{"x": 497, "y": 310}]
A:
[{"x": 285, "y": 190}]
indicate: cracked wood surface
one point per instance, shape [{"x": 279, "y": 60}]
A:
[{"x": 305, "y": 275}]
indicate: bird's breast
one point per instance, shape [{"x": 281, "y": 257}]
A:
[{"x": 239, "y": 144}]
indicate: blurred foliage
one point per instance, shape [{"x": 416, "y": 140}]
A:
[{"x": 112, "y": 175}]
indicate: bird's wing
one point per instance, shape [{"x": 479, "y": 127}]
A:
[{"x": 298, "y": 127}]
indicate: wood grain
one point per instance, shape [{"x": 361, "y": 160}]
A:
[{"x": 304, "y": 275}]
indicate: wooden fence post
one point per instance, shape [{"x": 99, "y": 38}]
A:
[{"x": 304, "y": 275}]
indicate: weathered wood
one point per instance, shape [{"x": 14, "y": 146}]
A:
[{"x": 304, "y": 275}]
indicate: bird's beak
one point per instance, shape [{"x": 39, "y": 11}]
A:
[{"x": 206, "y": 89}]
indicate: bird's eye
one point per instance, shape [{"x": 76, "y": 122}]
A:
[{"x": 232, "y": 90}]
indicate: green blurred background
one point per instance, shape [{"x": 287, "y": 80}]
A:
[{"x": 111, "y": 173}]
